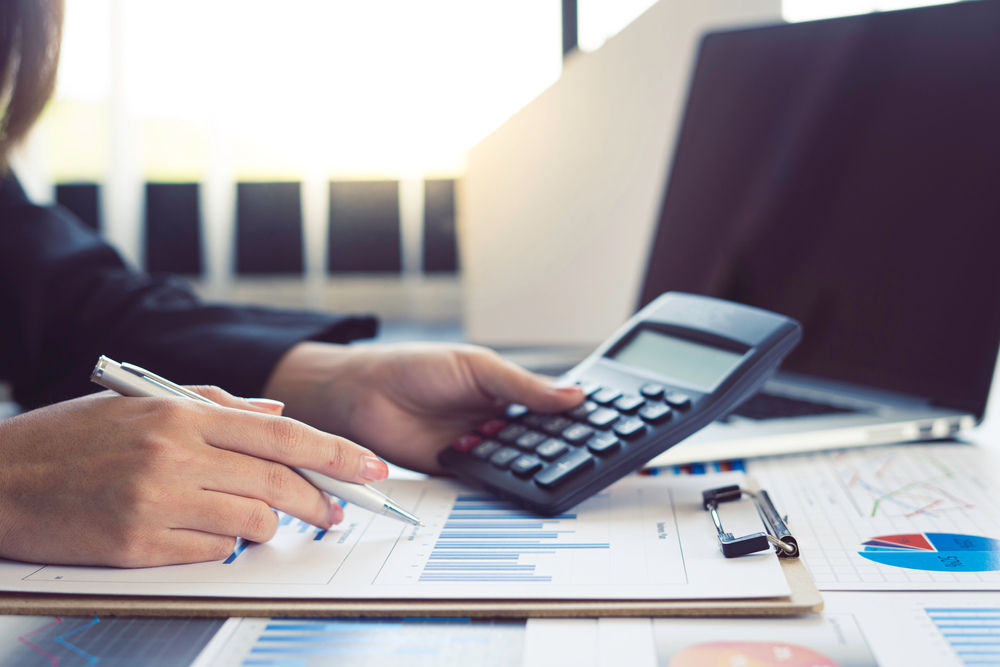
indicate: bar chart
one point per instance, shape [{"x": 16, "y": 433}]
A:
[
  {"x": 972, "y": 632},
  {"x": 416, "y": 642},
  {"x": 485, "y": 539}
]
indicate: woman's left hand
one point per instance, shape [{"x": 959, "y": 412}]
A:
[{"x": 406, "y": 402}]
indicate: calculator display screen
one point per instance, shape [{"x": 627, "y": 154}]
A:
[{"x": 694, "y": 364}]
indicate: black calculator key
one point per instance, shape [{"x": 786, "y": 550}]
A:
[
  {"x": 629, "y": 403},
  {"x": 652, "y": 390},
  {"x": 590, "y": 388},
  {"x": 581, "y": 411},
  {"x": 604, "y": 417},
  {"x": 556, "y": 425},
  {"x": 577, "y": 433},
  {"x": 630, "y": 427},
  {"x": 491, "y": 428},
  {"x": 551, "y": 449},
  {"x": 576, "y": 460},
  {"x": 515, "y": 410},
  {"x": 677, "y": 399},
  {"x": 602, "y": 443},
  {"x": 534, "y": 420},
  {"x": 525, "y": 466},
  {"x": 512, "y": 432},
  {"x": 530, "y": 440},
  {"x": 606, "y": 396},
  {"x": 656, "y": 412},
  {"x": 503, "y": 458},
  {"x": 485, "y": 449}
]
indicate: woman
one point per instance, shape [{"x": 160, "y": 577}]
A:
[{"x": 100, "y": 479}]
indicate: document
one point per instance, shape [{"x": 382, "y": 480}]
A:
[
  {"x": 643, "y": 538},
  {"x": 415, "y": 642},
  {"x": 902, "y": 517}
]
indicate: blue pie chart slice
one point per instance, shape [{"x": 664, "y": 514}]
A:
[{"x": 935, "y": 552}]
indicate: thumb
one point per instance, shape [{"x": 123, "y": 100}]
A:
[
  {"x": 225, "y": 399},
  {"x": 510, "y": 383}
]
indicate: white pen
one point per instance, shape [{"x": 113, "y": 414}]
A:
[{"x": 130, "y": 380}]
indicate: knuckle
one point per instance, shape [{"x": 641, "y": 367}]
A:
[
  {"x": 288, "y": 438},
  {"x": 259, "y": 524},
  {"x": 219, "y": 549},
  {"x": 337, "y": 456},
  {"x": 277, "y": 480}
]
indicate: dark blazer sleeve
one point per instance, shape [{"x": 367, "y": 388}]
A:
[{"x": 66, "y": 297}]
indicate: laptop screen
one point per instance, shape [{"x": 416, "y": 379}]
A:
[{"x": 846, "y": 173}]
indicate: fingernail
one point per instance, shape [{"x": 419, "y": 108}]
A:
[
  {"x": 267, "y": 404},
  {"x": 575, "y": 389},
  {"x": 373, "y": 469},
  {"x": 336, "y": 513}
]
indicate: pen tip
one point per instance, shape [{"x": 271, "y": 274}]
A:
[{"x": 421, "y": 523}]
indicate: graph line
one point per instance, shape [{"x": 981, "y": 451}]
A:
[
  {"x": 91, "y": 659},
  {"x": 53, "y": 660}
]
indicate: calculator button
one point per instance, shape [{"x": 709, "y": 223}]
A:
[
  {"x": 603, "y": 443},
  {"x": 529, "y": 441},
  {"x": 535, "y": 420},
  {"x": 525, "y": 466},
  {"x": 577, "y": 433},
  {"x": 630, "y": 427},
  {"x": 551, "y": 449},
  {"x": 652, "y": 390},
  {"x": 566, "y": 466},
  {"x": 515, "y": 410},
  {"x": 677, "y": 399},
  {"x": 503, "y": 458},
  {"x": 590, "y": 388},
  {"x": 627, "y": 403},
  {"x": 581, "y": 411},
  {"x": 656, "y": 412},
  {"x": 603, "y": 418},
  {"x": 485, "y": 449},
  {"x": 512, "y": 432},
  {"x": 464, "y": 443},
  {"x": 606, "y": 396},
  {"x": 556, "y": 425},
  {"x": 491, "y": 428}
]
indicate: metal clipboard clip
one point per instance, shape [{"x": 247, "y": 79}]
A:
[{"x": 777, "y": 532}]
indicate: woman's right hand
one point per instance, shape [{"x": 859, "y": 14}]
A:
[{"x": 137, "y": 482}]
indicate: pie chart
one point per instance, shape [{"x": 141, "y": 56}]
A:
[
  {"x": 749, "y": 654},
  {"x": 936, "y": 552}
]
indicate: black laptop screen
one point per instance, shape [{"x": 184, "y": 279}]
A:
[{"x": 847, "y": 173}]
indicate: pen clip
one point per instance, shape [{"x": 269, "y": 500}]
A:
[{"x": 143, "y": 373}]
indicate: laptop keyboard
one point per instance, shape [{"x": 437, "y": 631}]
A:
[{"x": 772, "y": 406}]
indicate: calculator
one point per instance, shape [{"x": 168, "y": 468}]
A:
[{"x": 677, "y": 365}]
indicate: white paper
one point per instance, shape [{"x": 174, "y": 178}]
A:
[
  {"x": 642, "y": 538},
  {"x": 364, "y": 642},
  {"x": 902, "y": 517}
]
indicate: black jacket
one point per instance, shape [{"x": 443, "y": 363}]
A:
[{"x": 66, "y": 297}]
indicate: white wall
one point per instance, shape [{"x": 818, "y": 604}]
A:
[{"x": 557, "y": 207}]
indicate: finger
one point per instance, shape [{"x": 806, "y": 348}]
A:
[
  {"x": 176, "y": 546},
  {"x": 224, "y": 398},
  {"x": 512, "y": 384},
  {"x": 270, "y": 485},
  {"x": 291, "y": 442},
  {"x": 225, "y": 514}
]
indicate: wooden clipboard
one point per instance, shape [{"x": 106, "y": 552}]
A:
[{"x": 805, "y": 598}]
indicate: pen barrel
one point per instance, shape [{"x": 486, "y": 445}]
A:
[
  {"x": 356, "y": 494},
  {"x": 110, "y": 375},
  {"x": 775, "y": 524}
]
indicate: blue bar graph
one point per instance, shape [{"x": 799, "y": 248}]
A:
[
  {"x": 485, "y": 540},
  {"x": 354, "y": 642},
  {"x": 973, "y": 633}
]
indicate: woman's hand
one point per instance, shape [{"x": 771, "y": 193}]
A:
[
  {"x": 408, "y": 401},
  {"x": 136, "y": 482}
]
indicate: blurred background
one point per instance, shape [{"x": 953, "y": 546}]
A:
[{"x": 313, "y": 153}]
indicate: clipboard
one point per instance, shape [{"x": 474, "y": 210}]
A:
[{"x": 805, "y": 598}]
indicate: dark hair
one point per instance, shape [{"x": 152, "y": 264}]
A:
[{"x": 30, "y": 32}]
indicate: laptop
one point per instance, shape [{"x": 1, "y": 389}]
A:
[{"x": 846, "y": 173}]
